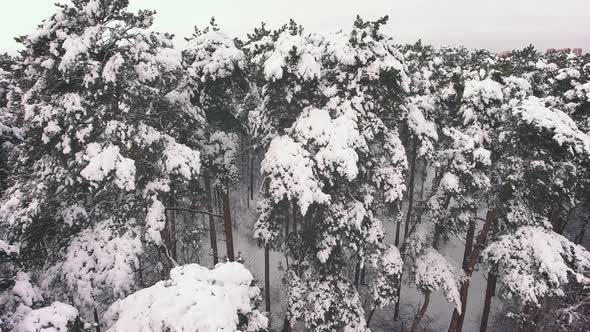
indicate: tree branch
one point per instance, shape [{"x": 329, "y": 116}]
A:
[{"x": 193, "y": 211}]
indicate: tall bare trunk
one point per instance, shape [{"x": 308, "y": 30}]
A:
[
  {"x": 294, "y": 209},
  {"x": 423, "y": 178},
  {"x": 555, "y": 220},
  {"x": 370, "y": 317},
  {"x": 252, "y": 176},
  {"x": 96, "y": 321},
  {"x": 422, "y": 312},
  {"x": 287, "y": 223},
  {"x": 469, "y": 261},
  {"x": 364, "y": 274},
  {"x": 357, "y": 273},
  {"x": 490, "y": 292},
  {"x": 398, "y": 229},
  {"x": 399, "y": 286},
  {"x": 227, "y": 224},
  {"x": 410, "y": 191},
  {"x": 580, "y": 237},
  {"x": 168, "y": 246},
  {"x": 457, "y": 318},
  {"x": 173, "y": 218},
  {"x": 286, "y": 324},
  {"x": 212, "y": 231},
  {"x": 267, "y": 277},
  {"x": 248, "y": 181},
  {"x": 407, "y": 225}
]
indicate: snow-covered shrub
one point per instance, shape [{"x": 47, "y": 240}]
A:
[
  {"x": 57, "y": 317},
  {"x": 193, "y": 299}
]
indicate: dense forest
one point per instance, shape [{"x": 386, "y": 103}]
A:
[{"x": 288, "y": 181}]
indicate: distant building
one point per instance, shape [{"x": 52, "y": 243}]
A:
[{"x": 576, "y": 51}]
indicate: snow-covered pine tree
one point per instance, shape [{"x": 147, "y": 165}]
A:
[
  {"x": 338, "y": 157},
  {"x": 283, "y": 86},
  {"x": 554, "y": 182},
  {"x": 420, "y": 131},
  {"x": 544, "y": 167},
  {"x": 220, "y": 87},
  {"x": 9, "y": 128},
  {"x": 108, "y": 132},
  {"x": 466, "y": 101},
  {"x": 281, "y": 64},
  {"x": 480, "y": 115},
  {"x": 497, "y": 125}
]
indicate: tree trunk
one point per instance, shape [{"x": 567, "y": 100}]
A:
[
  {"x": 370, "y": 317},
  {"x": 399, "y": 286},
  {"x": 249, "y": 189},
  {"x": 457, "y": 318},
  {"x": 287, "y": 223},
  {"x": 294, "y": 208},
  {"x": 96, "y": 321},
  {"x": 267, "y": 277},
  {"x": 421, "y": 313},
  {"x": 286, "y": 324},
  {"x": 469, "y": 261},
  {"x": 168, "y": 246},
  {"x": 410, "y": 191},
  {"x": 227, "y": 225},
  {"x": 357, "y": 273},
  {"x": 423, "y": 178},
  {"x": 555, "y": 221},
  {"x": 407, "y": 225},
  {"x": 399, "y": 298},
  {"x": 580, "y": 237},
  {"x": 173, "y": 226},
  {"x": 212, "y": 231},
  {"x": 252, "y": 177},
  {"x": 364, "y": 275},
  {"x": 490, "y": 292}
]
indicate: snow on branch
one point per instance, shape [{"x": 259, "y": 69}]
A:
[
  {"x": 290, "y": 171},
  {"x": 534, "y": 262},
  {"x": 434, "y": 272},
  {"x": 102, "y": 160},
  {"x": 8, "y": 249},
  {"x": 565, "y": 132},
  {"x": 100, "y": 262},
  {"x": 213, "y": 55}
]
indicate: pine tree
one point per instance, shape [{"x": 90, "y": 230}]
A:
[
  {"x": 108, "y": 133},
  {"x": 220, "y": 87},
  {"x": 340, "y": 160},
  {"x": 9, "y": 128}
]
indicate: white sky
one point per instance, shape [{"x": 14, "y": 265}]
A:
[{"x": 494, "y": 24}]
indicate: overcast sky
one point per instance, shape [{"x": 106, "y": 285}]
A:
[{"x": 494, "y": 24}]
